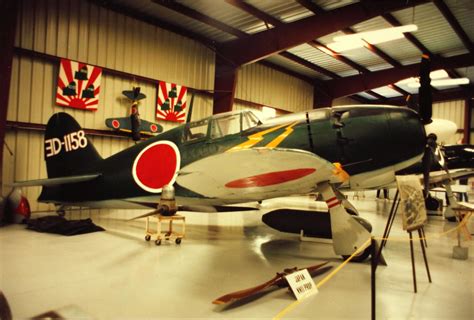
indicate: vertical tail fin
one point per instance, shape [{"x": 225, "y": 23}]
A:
[{"x": 67, "y": 150}]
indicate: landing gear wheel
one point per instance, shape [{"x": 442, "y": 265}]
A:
[
  {"x": 364, "y": 254},
  {"x": 431, "y": 203},
  {"x": 147, "y": 237},
  {"x": 178, "y": 240},
  {"x": 452, "y": 219},
  {"x": 361, "y": 257},
  {"x": 158, "y": 242}
]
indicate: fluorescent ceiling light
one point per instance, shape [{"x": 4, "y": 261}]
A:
[
  {"x": 358, "y": 40},
  {"x": 439, "y": 74},
  {"x": 442, "y": 82},
  {"x": 386, "y": 32},
  {"x": 434, "y": 75},
  {"x": 408, "y": 80},
  {"x": 346, "y": 45}
]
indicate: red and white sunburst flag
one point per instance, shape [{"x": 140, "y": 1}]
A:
[
  {"x": 171, "y": 104},
  {"x": 78, "y": 85}
]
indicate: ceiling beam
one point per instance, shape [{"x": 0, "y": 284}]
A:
[
  {"x": 454, "y": 23},
  {"x": 439, "y": 96},
  {"x": 269, "y": 19},
  {"x": 153, "y": 21},
  {"x": 372, "y": 48},
  {"x": 308, "y": 64},
  {"x": 353, "y": 84},
  {"x": 410, "y": 37},
  {"x": 196, "y": 15},
  {"x": 265, "y": 43}
]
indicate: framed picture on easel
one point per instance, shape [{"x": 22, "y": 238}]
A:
[{"x": 412, "y": 203}]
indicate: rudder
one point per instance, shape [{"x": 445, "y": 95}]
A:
[{"x": 67, "y": 149}]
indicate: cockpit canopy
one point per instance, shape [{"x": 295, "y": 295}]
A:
[{"x": 220, "y": 125}]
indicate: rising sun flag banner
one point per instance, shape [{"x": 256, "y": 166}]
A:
[
  {"x": 171, "y": 103},
  {"x": 78, "y": 85}
]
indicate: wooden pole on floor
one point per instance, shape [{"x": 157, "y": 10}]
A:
[
  {"x": 412, "y": 260},
  {"x": 391, "y": 218},
  {"x": 421, "y": 231},
  {"x": 373, "y": 269}
]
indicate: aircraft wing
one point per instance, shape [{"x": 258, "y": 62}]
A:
[
  {"x": 258, "y": 173},
  {"x": 56, "y": 181},
  {"x": 124, "y": 124},
  {"x": 438, "y": 178},
  {"x": 151, "y": 127}
]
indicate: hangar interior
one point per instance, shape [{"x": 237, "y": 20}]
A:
[{"x": 231, "y": 55}]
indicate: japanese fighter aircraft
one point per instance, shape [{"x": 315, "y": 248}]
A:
[
  {"x": 134, "y": 124},
  {"x": 234, "y": 158}
]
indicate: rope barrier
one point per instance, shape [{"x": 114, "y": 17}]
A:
[
  {"x": 294, "y": 304},
  {"x": 462, "y": 223},
  {"x": 323, "y": 281}
]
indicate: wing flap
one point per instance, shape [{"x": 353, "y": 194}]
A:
[{"x": 56, "y": 181}]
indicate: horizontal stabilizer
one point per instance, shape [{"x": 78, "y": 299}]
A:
[{"x": 56, "y": 181}]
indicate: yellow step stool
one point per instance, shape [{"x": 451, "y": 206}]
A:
[{"x": 165, "y": 234}]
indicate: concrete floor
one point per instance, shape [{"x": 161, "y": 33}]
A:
[{"x": 117, "y": 275}]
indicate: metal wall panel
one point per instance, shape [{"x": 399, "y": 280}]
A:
[
  {"x": 451, "y": 110},
  {"x": 82, "y": 31},
  {"x": 260, "y": 84}
]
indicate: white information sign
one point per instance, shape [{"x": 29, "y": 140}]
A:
[{"x": 301, "y": 284}]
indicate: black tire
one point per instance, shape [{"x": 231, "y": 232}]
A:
[
  {"x": 431, "y": 204},
  {"x": 365, "y": 254},
  {"x": 361, "y": 257},
  {"x": 158, "y": 242},
  {"x": 452, "y": 219},
  {"x": 147, "y": 237},
  {"x": 178, "y": 240}
]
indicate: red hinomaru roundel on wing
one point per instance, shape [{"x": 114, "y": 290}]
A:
[
  {"x": 156, "y": 166},
  {"x": 270, "y": 178},
  {"x": 115, "y": 124}
]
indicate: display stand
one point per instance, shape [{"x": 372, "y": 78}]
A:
[
  {"x": 463, "y": 211},
  {"x": 166, "y": 234},
  {"x": 391, "y": 218},
  {"x": 422, "y": 243},
  {"x": 414, "y": 217}
]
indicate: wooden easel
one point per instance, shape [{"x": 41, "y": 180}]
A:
[
  {"x": 421, "y": 234},
  {"x": 423, "y": 243}
]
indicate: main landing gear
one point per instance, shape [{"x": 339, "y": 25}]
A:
[{"x": 349, "y": 232}]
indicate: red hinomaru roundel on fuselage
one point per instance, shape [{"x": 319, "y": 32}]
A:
[{"x": 156, "y": 166}]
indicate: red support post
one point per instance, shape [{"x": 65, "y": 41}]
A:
[
  {"x": 224, "y": 85},
  {"x": 468, "y": 105},
  {"x": 8, "y": 15}
]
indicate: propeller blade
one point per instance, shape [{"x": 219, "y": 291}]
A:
[
  {"x": 424, "y": 93},
  {"x": 134, "y": 94},
  {"x": 151, "y": 213},
  {"x": 278, "y": 279},
  {"x": 427, "y": 161},
  {"x": 190, "y": 110},
  {"x": 247, "y": 292}
]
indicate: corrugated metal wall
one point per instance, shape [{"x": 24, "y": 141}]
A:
[
  {"x": 451, "y": 110},
  {"x": 261, "y": 84},
  {"x": 82, "y": 31}
]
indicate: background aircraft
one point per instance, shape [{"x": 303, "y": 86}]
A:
[
  {"x": 134, "y": 124},
  {"x": 234, "y": 158}
]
